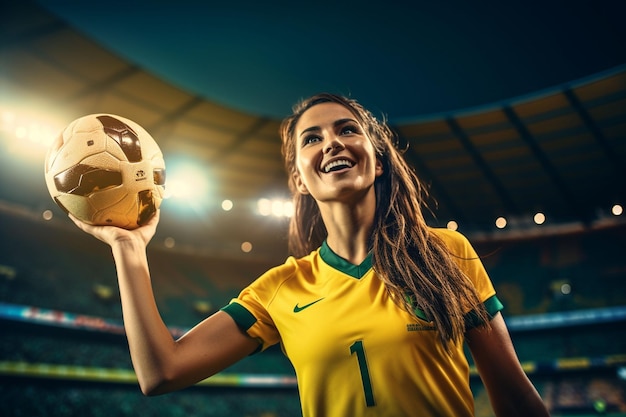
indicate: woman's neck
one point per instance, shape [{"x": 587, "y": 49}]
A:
[{"x": 349, "y": 228}]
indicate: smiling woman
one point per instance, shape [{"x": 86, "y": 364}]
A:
[
  {"x": 396, "y": 291},
  {"x": 373, "y": 307}
]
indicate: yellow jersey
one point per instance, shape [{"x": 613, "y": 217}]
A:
[{"x": 354, "y": 350}]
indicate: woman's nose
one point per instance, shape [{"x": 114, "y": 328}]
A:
[{"x": 333, "y": 145}]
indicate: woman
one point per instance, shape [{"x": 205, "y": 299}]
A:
[{"x": 372, "y": 309}]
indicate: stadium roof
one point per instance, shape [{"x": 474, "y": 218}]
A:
[{"x": 507, "y": 109}]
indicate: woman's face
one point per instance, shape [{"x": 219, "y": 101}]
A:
[{"x": 335, "y": 159}]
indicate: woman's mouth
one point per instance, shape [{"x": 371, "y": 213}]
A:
[{"x": 337, "y": 165}]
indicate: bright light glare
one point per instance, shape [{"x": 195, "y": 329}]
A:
[
  {"x": 617, "y": 210},
  {"x": 28, "y": 134},
  {"x": 47, "y": 215},
  {"x": 500, "y": 222},
  {"x": 264, "y": 206},
  {"x": 277, "y": 207},
  {"x": 227, "y": 205},
  {"x": 21, "y": 132},
  {"x": 7, "y": 118},
  {"x": 186, "y": 183},
  {"x": 540, "y": 218},
  {"x": 452, "y": 225},
  {"x": 288, "y": 208}
]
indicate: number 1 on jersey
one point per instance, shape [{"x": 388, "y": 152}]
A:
[{"x": 357, "y": 347}]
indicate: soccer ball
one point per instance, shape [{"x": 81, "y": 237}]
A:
[{"x": 106, "y": 170}]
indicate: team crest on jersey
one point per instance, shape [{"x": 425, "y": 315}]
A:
[{"x": 419, "y": 313}]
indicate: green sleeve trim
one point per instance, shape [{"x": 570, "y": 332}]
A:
[
  {"x": 243, "y": 318},
  {"x": 492, "y": 305},
  {"x": 240, "y": 314}
]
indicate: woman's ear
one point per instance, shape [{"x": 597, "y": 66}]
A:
[
  {"x": 297, "y": 180},
  {"x": 379, "y": 170}
]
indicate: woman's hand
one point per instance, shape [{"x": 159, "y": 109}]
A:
[{"x": 112, "y": 234}]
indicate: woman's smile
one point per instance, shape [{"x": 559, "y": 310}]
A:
[{"x": 337, "y": 165}]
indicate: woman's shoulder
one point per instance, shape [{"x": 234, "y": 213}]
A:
[
  {"x": 449, "y": 235},
  {"x": 289, "y": 269},
  {"x": 456, "y": 241}
]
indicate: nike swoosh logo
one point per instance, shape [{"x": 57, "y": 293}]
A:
[{"x": 298, "y": 309}]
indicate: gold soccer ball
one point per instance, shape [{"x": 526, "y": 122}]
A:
[{"x": 106, "y": 170}]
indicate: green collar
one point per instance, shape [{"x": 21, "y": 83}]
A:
[
  {"x": 355, "y": 271},
  {"x": 340, "y": 264}
]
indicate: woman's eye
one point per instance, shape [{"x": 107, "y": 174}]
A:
[
  {"x": 310, "y": 139},
  {"x": 349, "y": 130}
]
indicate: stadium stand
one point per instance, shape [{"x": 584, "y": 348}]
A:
[{"x": 63, "y": 352}]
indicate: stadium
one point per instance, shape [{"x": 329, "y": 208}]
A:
[{"x": 531, "y": 170}]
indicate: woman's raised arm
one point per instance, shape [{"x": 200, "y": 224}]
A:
[{"x": 161, "y": 363}]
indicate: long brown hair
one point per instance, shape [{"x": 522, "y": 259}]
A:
[{"x": 415, "y": 265}]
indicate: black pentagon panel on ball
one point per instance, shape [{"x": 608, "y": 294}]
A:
[
  {"x": 84, "y": 180},
  {"x": 124, "y": 135},
  {"x": 147, "y": 207},
  {"x": 158, "y": 174}
]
